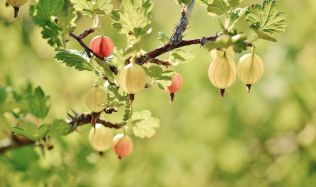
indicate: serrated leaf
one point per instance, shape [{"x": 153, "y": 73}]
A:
[
  {"x": 144, "y": 124},
  {"x": 27, "y": 130},
  {"x": 217, "y": 7},
  {"x": 91, "y": 8},
  {"x": 59, "y": 128},
  {"x": 67, "y": 19},
  {"x": 51, "y": 33},
  {"x": 42, "y": 14},
  {"x": 163, "y": 38},
  {"x": 44, "y": 10},
  {"x": 38, "y": 103},
  {"x": 180, "y": 56},
  {"x": 236, "y": 14},
  {"x": 104, "y": 5},
  {"x": 133, "y": 20},
  {"x": 266, "y": 20},
  {"x": 43, "y": 130},
  {"x": 73, "y": 58}
]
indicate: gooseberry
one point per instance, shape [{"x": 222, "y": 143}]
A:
[
  {"x": 250, "y": 69},
  {"x": 96, "y": 99},
  {"x": 132, "y": 78},
  {"x": 176, "y": 85},
  {"x": 100, "y": 137},
  {"x": 122, "y": 145},
  {"x": 102, "y": 46},
  {"x": 222, "y": 73}
]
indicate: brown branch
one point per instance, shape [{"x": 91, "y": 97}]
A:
[
  {"x": 74, "y": 120},
  {"x": 182, "y": 25},
  {"x": 169, "y": 47}
]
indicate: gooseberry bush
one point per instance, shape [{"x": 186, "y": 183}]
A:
[{"x": 123, "y": 71}]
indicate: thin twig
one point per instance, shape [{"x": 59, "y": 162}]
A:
[{"x": 74, "y": 120}]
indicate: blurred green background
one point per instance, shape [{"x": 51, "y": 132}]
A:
[{"x": 263, "y": 139}]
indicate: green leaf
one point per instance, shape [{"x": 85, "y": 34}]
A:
[
  {"x": 66, "y": 20},
  {"x": 38, "y": 103},
  {"x": 160, "y": 77},
  {"x": 43, "y": 14},
  {"x": 179, "y": 56},
  {"x": 73, "y": 58},
  {"x": 217, "y": 8},
  {"x": 59, "y": 128},
  {"x": 154, "y": 71},
  {"x": 236, "y": 14},
  {"x": 266, "y": 20},
  {"x": 133, "y": 20},
  {"x": 104, "y": 6},
  {"x": 43, "y": 130},
  {"x": 163, "y": 38},
  {"x": 92, "y": 8},
  {"x": 144, "y": 124},
  {"x": 27, "y": 130},
  {"x": 234, "y": 3},
  {"x": 45, "y": 9},
  {"x": 51, "y": 32},
  {"x": 3, "y": 95}
]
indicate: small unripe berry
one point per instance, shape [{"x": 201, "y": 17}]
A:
[
  {"x": 100, "y": 137},
  {"x": 122, "y": 145},
  {"x": 176, "y": 83},
  {"x": 102, "y": 45},
  {"x": 132, "y": 78},
  {"x": 96, "y": 99},
  {"x": 222, "y": 73},
  {"x": 250, "y": 69}
]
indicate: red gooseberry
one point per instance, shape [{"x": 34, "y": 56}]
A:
[
  {"x": 122, "y": 145},
  {"x": 102, "y": 45},
  {"x": 176, "y": 84}
]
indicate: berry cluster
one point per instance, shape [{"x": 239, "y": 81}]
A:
[{"x": 222, "y": 71}]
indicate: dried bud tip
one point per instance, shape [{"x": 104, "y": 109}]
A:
[
  {"x": 131, "y": 98},
  {"x": 222, "y": 93},
  {"x": 248, "y": 88},
  {"x": 16, "y": 11},
  {"x": 7, "y": 4},
  {"x": 172, "y": 95},
  {"x": 50, "y": 147},
  {"x": 101, "y": 154}
]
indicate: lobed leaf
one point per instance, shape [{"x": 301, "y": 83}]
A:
[
  {"x": 266, "y": 20},
  {"x": 144, "y": 124},
  {"x": 38, "y": 103}
]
